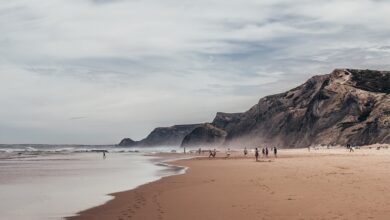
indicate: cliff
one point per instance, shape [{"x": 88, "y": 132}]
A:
[
  {"x": 205, "y": 135},
  {"x": 163, "y": 136},
  {"x": 346, "y": 106},
  {"x": 127, "y": 142}
]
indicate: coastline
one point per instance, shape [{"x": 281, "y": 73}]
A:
[
  {"x": 162, "y": 159},
  {"x": 297, "y": 185}
]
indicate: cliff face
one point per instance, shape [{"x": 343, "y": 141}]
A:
[
  {"x": 346, "y": 106},
  {"x": 169, "y": 136},
  {"x": 127, "y": 142},
  {"x": 163, "y": 136},
  {"x": 205, "y": 135}
]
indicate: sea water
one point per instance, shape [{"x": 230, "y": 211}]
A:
[{"x": 38, "y": 183}]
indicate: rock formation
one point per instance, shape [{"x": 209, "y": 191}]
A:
[
  {"x": 205, "y": 135},
  {"x": 127, "y": 142},
  {"x": 346, "y": 106},
  {"x": 165, "y": 136}
]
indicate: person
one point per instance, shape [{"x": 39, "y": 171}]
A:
[
  {"x": 245, "y": 151},
  {"x": 275, "y": 152},
  {"x": 263, "y": 151},
  {"x": 104, "y": 155},
  {"x": 350, "y": 148},
  {"x": 257, "y": 154},
  {"x": 210, "y": 153},
  {"x": 199, "y": 151},
  {"x": 228, "y": 153},
  {"x": 266, "y": 151}
]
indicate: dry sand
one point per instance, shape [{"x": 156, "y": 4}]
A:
[{"x": 321, "y": 184}]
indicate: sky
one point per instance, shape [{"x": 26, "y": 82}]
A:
[{"x": 96, "y": 71}]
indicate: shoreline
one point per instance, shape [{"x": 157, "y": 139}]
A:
[
  {"x": 160, "y": 159},
  {"x": 297, "y": 185}
]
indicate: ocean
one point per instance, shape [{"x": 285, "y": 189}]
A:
[{"x": 43, "y": 182}]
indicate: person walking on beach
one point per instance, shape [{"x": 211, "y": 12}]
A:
[
  {"x": 245, "y": 151},
  {"x": 275, "y": 152},
  {"x": 228, "y": 153},
  {"x": 263, "y": 151},
  {"x": 257, "y": 154},
  {"x": 350, "y": 148},
  {"x": 266, "y": 151}
]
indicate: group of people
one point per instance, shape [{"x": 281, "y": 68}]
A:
[{"x": 264, "y": 151}]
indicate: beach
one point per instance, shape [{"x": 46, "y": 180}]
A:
[{"x": 320, "y": 184}]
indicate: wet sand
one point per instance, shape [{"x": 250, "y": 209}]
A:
[{"x": 322, "y": 184}]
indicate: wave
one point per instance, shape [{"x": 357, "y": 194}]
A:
[{"x": 25, "y": 150}]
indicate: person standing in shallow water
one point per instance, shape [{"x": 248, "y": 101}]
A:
[
  {"x": 104, "y": 155},
  {"x": 257, "y": 154},
  {"x": 275, "y": 152}
]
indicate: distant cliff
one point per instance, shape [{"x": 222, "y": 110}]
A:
[
  {"x": 205, "y": 135},
  {"x": 163, "y": 136},
  {"x": 127, "y": 142},
  {"x": 345, "y": 106}
]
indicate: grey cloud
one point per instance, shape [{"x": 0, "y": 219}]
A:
[{"x": 134, "y": 65}]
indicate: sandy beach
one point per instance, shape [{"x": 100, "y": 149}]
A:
[{"x": 321, "y": 184}]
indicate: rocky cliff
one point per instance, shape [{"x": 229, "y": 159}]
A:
[
  {"x": 127, "y": 142},
  {"x": 205, "y": 135},
  {"x": 163, "y": 136},
  {"x": 346, "y": 106}
]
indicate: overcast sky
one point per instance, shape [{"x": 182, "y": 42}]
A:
[{"x": 95, "y": 71}]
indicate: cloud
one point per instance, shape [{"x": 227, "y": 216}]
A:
[{"x": 131, "y": 65}]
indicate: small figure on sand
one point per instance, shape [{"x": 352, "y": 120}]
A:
[
  {"x": 213, "y": 153},
  {"x": 275, "y": 152},
  {"x": 263, "y": 151},
  {"x": 266, "y": 151},
  {"x": 245, "y": 151},
  {"x": 199, "y": 150},
  {"x": 104, "y": 155},
  {"x": 228, "y": 153},
  {"x": 257, "y": 154},
  {"x": 350, "y": 148}
]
